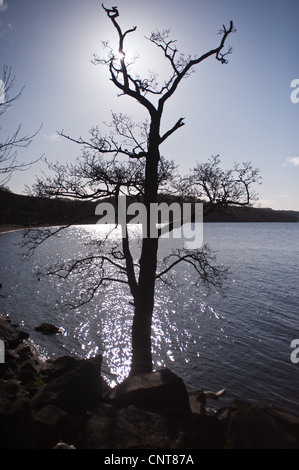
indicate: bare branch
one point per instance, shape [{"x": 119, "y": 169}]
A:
[
  {"x": 95, "y": 269},
  {"x": 201, "y": 261},
  {"x": 119, "y": 73},
  {"x": 9, "y": 146},
  {"x": 179, "y": 124},
  {"x": 123, "y": 139},
  {"x": 222, "y": 188},
  {"x": 183, "y": 68},
  {"x": 160, "y": 39},
  {"x": 128, "y": 162},
  {"x": 129, "y": 266},
  {"x": 8, "y": 82}
]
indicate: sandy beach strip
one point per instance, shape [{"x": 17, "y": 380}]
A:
[{"x": 11, "y": 228}]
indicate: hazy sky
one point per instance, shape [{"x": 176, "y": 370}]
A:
[{"x": 241, "y": 111}]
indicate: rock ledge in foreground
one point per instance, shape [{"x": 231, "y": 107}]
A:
[{"x": 65, "y": 403}]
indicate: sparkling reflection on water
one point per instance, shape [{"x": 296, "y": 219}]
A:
[{"x": 240, "y": 340}]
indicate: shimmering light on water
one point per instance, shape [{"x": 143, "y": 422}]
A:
[{"x": 240, "y": 341}]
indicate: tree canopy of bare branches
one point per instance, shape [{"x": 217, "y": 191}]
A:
[
  {"x": 220, "y": 188},
  {"x": 126, "y": 160}
]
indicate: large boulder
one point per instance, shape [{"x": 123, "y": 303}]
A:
[
  {"x": 53, "y": 368},
  {"x": 99, "y": 429},
  {"x": 109, "y": 427},
  {"x": 16, "y": 423},
  {"x": 156, "y": 391},
  {"x": 287, "y": 420},
  {"x": 254, "y": 427},
  {"x": 49, "y": 422},
  {"x": 75, "y": 389},
  {"x": 21, "y": 363},
  {"x": 201, "y": 431},
  {"x": 48, "y": 329},
  {"x": 10, "y": 333},
  {"x": 139, "y": 429}
]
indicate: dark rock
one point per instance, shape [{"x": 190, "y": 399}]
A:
[
  {"x": 99, "y": 430},
  {"x": 11, "y": 364},
  {"x": 19, "y": 362},
  {"x": 288, "y": 421},
  {"x": 254, "y": 427},
  {"x": 11, "y": 335},
  {"x": 197, "y": 405},
  {"x": 201, "y": 431},
  {"x": 16, "y": 423},
  {"x": 29, "y": 365},
  {"x": 27, "y": 376},
  {"x": 72, "y": 427},
  {"x": 76, "y": 390},
  {"x": 24, "y": 352},
  {"x": 157, "y": 391},
  {"x": 63, "y": 445},
  {"x": 53, "y": 368},
  {"x": 49, "y": 422},
  {"x": 65, "y": 405},
  {"x": 11, "y": 355},
  {"x": 201, "y": 401},
  {"x": 139, "y": 429},
  {"x": 48, "y": 329},
  {"x": 129, "y": 428}
]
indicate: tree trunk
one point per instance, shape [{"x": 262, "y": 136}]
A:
[
  {"x": 144, "y": 299},
  {"x": 141, "y": 340},
  {"x": 144, "y": 307}
]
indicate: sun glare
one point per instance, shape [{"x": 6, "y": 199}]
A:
[{"x": 120, "y": 55}]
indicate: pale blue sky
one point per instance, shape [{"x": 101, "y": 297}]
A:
[{"x": 241, "y": 111}]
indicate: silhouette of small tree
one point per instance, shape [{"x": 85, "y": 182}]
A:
[{"x": 10, "y": 144}]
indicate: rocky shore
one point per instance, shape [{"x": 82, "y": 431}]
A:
[{"x": 65, "y": 403}]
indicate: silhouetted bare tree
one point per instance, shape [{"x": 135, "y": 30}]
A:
[
  {"x": 128, "y": 162},
  {"x": 220, "y": 188},
  {"x": 9, "y": 145}
]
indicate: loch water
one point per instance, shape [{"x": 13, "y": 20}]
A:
[{"x": 239, "y": 338}]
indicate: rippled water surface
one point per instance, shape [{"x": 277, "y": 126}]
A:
[{"x": 239, "y": 340}]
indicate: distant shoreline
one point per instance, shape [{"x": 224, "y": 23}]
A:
[
  {"x": 19, "y": 212},
  {"x": 11, "y": 228},
  {"x": 17, "y": 228}
]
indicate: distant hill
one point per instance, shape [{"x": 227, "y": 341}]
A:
[
  {"x": 252, "y": 214},
  {"x": 27, "y": 211}
]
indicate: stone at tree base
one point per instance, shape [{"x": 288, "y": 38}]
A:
[{"x": 156, "y": 391}]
